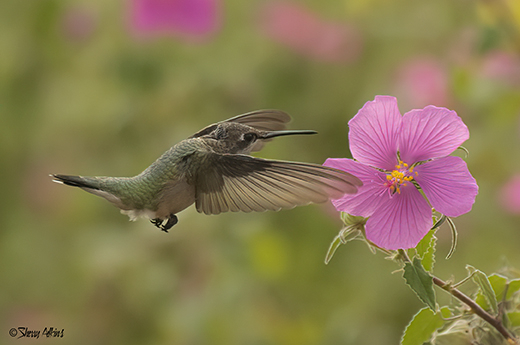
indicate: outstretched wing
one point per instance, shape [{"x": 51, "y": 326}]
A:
[
  {"x": 264, "y": 120},
  {"x": 244, "y": 183}
]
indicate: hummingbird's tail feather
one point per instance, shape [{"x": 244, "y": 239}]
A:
[
  {"x": 75, "y": 181},
  {"x": 94, "y": 185}
]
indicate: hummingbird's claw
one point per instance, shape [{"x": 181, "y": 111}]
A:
[
  {"x": 172, "y": 220},
  {"x": 157, "y": 222}
]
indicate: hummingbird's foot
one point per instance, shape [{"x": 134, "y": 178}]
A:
[
  {"x": 172, "y": 220},
  {"x": 157, "y": 222}
]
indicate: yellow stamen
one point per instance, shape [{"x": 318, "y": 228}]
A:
[{"x": 399, "y": 177}]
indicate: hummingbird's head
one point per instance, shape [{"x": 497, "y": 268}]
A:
[{"x": 237, "y": 138}]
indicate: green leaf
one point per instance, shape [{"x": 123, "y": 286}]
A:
[
  {"x": 345, "y": 235},
  {"x": 452, "y": 338},
  {"x": 422, "y": 326},
  {"x": 514, "y": 318},
  {"x": 514, "y": 286},
  {"x": 420, "y": 282},
  {"x": 424, "y": 244},
  {"x": 350, "y": 220},
  {"x": 429, "y": 258},
  {"x": 456, "y": 332},
  {"x": 445, "y": 312},
  {"x": 498, "y": 283},
  {"x": 426, "y": 249},
  {"x": 481, "y": 301},
  {"x": 336, "y": 242},
  {"x": 485, "y": 287}
]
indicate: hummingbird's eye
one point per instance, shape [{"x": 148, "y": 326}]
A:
[{"x": 249, "y": 137}]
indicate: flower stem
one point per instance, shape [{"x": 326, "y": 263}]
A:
[{"x": 495, "y": 322}]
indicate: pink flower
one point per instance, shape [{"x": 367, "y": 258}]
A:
[
  {"x": 303, "y": 31},
  {"x": 510, "y": 195},
  {"x": 394, "y": 154},
  {"x": 188, "y": 18}
]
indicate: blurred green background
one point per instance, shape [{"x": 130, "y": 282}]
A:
[{"x": 87, "y": 88}]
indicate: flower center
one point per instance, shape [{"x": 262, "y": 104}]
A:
[{"x": 399, "y": 177}]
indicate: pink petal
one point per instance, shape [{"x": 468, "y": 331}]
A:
[
  {"x": 373, "y": 133},
  {"x": 401, "y": 221},
  {"x": 448, "y": 185},
  {"x": 368, "y": 197},
  {"x": 431, "y": 132}
]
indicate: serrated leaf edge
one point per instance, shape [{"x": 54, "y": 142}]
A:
[
  {"x": 414, "y": 318},
  {"x": 431, "y": 304},
  {"x": 482, "y": 281}
]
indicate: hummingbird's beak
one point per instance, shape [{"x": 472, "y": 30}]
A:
[{"x": 273, "y": 134}]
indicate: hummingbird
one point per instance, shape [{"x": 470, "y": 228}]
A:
[{"x": 213, "y": 169}]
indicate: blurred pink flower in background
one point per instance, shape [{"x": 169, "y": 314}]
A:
[
  {"x": 192, "y": 19},
  {"x": 462, "y": 45},
  {"x": 501, "y": 66},
  {"x": 422, "y": 81},
  {"x": 302, "y": 30},
  {"x": 510, "y": 195},
  {"x": 79, "y": 24}
]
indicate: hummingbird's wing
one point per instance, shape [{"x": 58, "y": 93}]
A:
[
  {"x": 264, "y": 120},
  {"x": 244, "y": 183}
]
